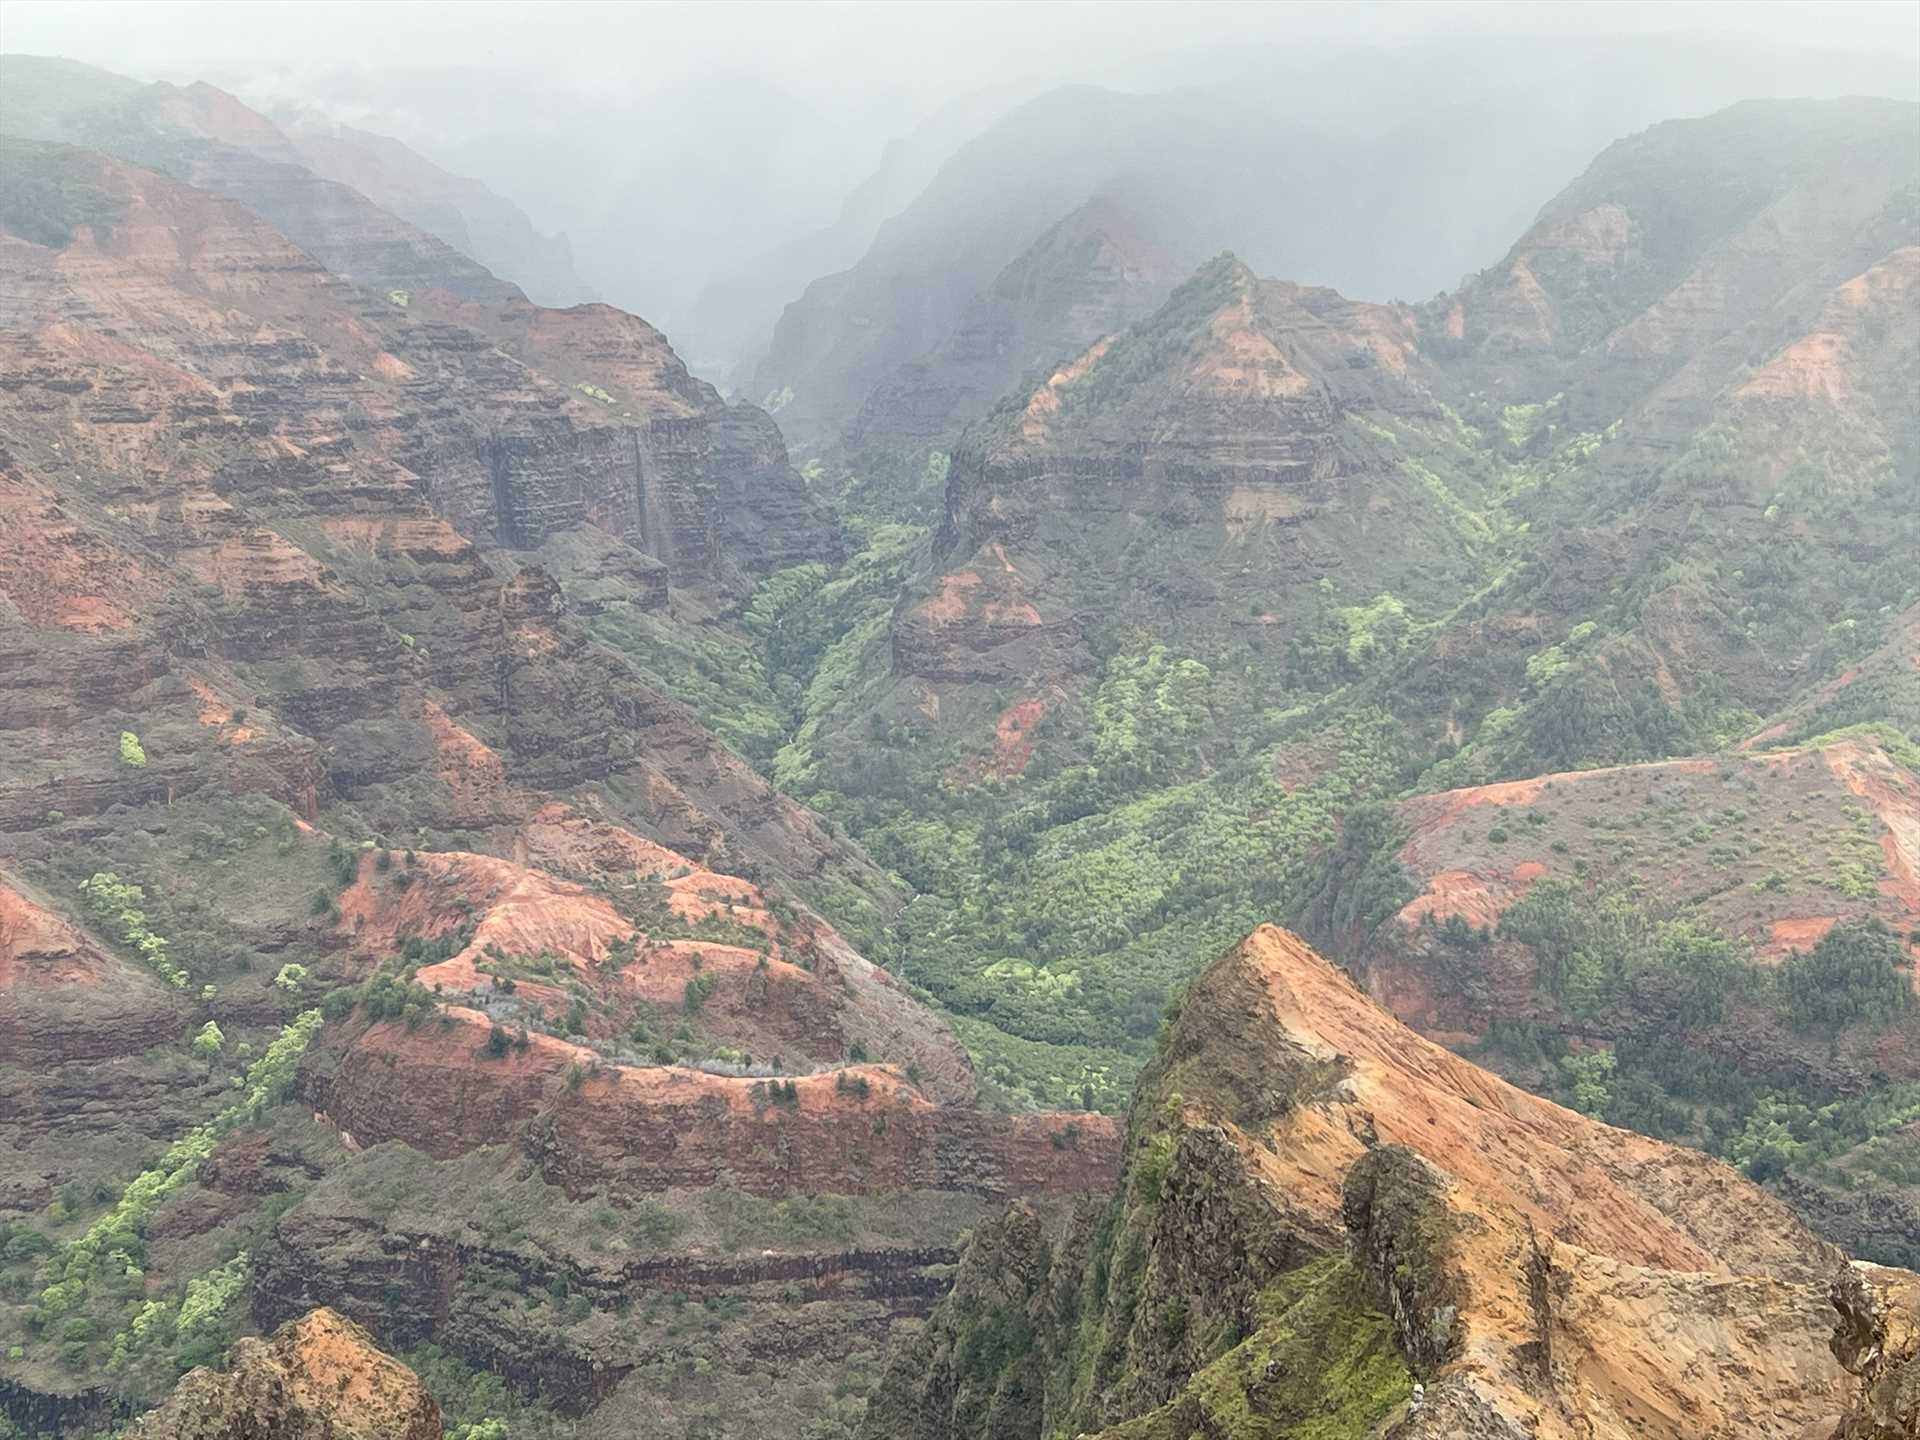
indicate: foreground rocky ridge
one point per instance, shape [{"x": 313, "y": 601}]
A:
[{"x": 1292, "y": 1146}]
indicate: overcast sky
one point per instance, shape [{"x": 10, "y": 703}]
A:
[{"x": 919, "y": 53}]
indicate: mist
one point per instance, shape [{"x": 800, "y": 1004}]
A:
[{"x": 702, "y": 165}]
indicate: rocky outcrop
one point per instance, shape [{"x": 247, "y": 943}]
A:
[
  {"x": 317, "y": 1378},
  {"x": 1298, "y": 1162},
  {"x": 974, "y": 1369},
  {"x": 1877, "y": 1339}
]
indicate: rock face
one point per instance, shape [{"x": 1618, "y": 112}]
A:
[
  {"x": 1877, "y": 1339},
  {"x": 317, "y": 1378},
  {"x": 314, "y": 464},
  {"x": 1782, "y": 197},
  {"x": 76, "y": 1024},
  {"x": 463, "y": 212},
  {"x": 206, "y": 138},
  {"x": 288, "y": 611},
  {"x": 1214, "y": 463},
  {"x": 1319, "y": 1209}
]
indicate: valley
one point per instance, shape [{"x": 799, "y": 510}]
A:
[{"x": 1146, "y": 849}]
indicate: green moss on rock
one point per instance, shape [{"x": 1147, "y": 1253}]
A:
[{"x": 1322, "y": 1365}]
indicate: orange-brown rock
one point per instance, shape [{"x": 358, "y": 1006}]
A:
[
  {"x": 443, "y": 1089},
  {"x": 1877, "y": 1339},
  {"x": 317, "y": 1378},
  {"x": 1543, "y": 1275},
  {"x": 64, "y": 999},
  {"x": 800, "y": 994}
]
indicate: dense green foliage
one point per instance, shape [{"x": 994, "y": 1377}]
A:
[
  {"x": 119, "y": 903},
  {"x": 1592, "y": 948},
  {"x": 1858, "y": 971}
]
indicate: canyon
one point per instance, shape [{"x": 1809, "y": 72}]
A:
[{"x": 500, "y": 867}]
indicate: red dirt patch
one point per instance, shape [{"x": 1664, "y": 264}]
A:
[
  {"x": 1013, "y": 740},
  {"x": 1432, "y": 812},
  {"x": 58, "y": 573},
  {"x": 473, "y": 774},
  {"x": 656, "y": 1127},
  {"x": 1478, "y": 899},
  {"x": 216, "y": 714},
  {"x": 950, "y": 603},
  {"x": 39, "y": 950},
  {"x": 254, "y": 559},
  {"x": 1800, "y": 933}
]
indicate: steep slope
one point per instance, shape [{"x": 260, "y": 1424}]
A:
[
  {"x": 1678, "y": 237},
  {"x": 1088, "y": 277},
  {"x": 1729, "y": 300},
  {"x": 315, "y": 785},
  {"x": 1225, "y": 440},
  {"x": 192, "y": 132},
  {"x": 317, "y": 1378},
  {"x": 1715, "y": 951},
  {"x": 1320, "y": 1208},
  {"x": 988, "y": 204},
  {"x": 457, "y": 209}
]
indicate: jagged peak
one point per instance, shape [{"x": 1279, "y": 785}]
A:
[{"x": 1227, "y": 353}]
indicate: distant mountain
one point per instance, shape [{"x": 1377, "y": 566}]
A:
[
  {"x": 365, "y": 206},
  {"x": 1384, "y": 174},
  {"x": 461, "y": 211},
  {"x": 1724, "y": 301},
  {"x": 1088, "y": 277},
  {"x": 730, "y": 320},
  {"x": 1163, "y": 155}
]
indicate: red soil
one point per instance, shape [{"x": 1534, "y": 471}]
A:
[{"x": 656, "y": 1128}]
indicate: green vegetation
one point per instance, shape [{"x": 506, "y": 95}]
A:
[
  {"x": 119, "y": 903},
  {"x": 1858, "y": 971},
  {"x": 208, "y": 1043},
  {"x": 1321, "y": 1364},
  {"x": 1150, "y": 346},
  {"x": 1595, "y": 948},
  {"x": 475, "y": 1405},
  {"x": 100, "y": 1272}
]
